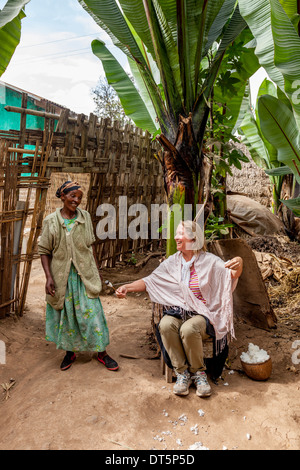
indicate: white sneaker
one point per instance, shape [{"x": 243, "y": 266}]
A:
[
  {"x": 183, "y": 383},
  {"x": 201, "y": 382}
]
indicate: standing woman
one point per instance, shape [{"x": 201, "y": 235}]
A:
[{"x": 74, "y": 315}]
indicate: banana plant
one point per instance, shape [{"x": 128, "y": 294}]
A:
[
  {"x": 263, "y": 153},
  {"x": 10, "y": 30},
  {"x": 279, "y": 126},
  {"x": 273, "y": 139},
  {"x": 228, "y": 105},
  {"x": 275, "y": 26},
  {"x": 175, "y": 49}
]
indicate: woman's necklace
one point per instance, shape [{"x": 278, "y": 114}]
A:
[{"x": 68, "y": 218}]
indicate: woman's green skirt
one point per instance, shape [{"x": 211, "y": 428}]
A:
[{"x": 81, "y": 324}]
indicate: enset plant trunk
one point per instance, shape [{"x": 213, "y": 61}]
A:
[
  {"x": 177, "y": 199},
  {"x": 181, "y": 165}
]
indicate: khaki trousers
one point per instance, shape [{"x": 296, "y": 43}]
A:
[{"x": 183, "y": 342}]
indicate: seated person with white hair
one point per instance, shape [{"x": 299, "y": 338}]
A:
[{"x": 195, "y": 288}]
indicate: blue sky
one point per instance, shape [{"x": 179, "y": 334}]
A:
[{"x": 54, "y": 59}]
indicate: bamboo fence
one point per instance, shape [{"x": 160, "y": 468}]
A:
[{"x": 107, "y": 160}]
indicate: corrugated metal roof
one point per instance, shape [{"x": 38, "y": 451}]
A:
[{"x": 32, "y": 95}]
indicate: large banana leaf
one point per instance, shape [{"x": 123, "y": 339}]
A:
[
  {"x": 290, "y": 7},
  {"x": 166, "y": 56},
  {"x": 236, "y": 25},
  {"x": 10, "y": 30},
  {"x": 130, "y": 98},
  {"x": 280, "y": 128},
  {"x": 232, "y": 30},
  {"x": 109, "y": 17},
  {"x": 263, "y": 154},
  {"x": 219, "y": 22},
  {"x": 142, "y": 90},
  {"x": 254, "y": 141},
  {"x": 264, "y": 150},
  {"x": 287, "y": 53},
  {"x": 293, "y": 205},
  {"x": 257, "y": 14},
  {"x": 11, "y": 9},
  {"x": 278, "y": 43},
  {"x": 174, "y": 34},
  {"x": 268, "y": 88},
  {"x": 280, "y": 171},
  {"x": 134, "y": 11},
  {"x": 217, "y": 15},
  {"x": 187, "y": 40}
]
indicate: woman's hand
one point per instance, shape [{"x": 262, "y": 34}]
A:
[
  {"x": 50, "y": 286},
  {"x": 135, "y": 286},
  {"x": 121, "y": 292},
  {"x": 236, "y": 266}
]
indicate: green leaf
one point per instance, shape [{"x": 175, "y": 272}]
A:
[
  {"x": 134, "y": 11},
  {"x": 166, "y": 56},
  {"x": 240, "y": 63},
  {"x": 11, "y": 9},
  {"x": 278, "y": 44},
  {"x": 268, "y": 88},
  {"x": 290, "y": 7},
  {"x": 232, "y": 30},
  {"x": 238, "y": 155},
  {"x": 293, "y": 205},
  {"x": 217, "y": 15},
  {"x": 141, "y": 88},
  {"x": 236, "y": 25},
  {"x": 131, "y": 101},
  {"x": 184, "y": 49},
  {"x": 257, "y": 14},
  {"x": 220, "y": 21},
  {"x": 109, "y": 17},
  {"x": 256, "y": 144},
  {"x": 10, "y": 30},
  {"x": 238, "y": 107},
  {"x": 279, "y": 127},
  {"x": 287, "y": 53},
  {"x": 280, "y": 171}
]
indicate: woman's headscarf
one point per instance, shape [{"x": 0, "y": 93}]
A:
[{"x": 67, "y": 187}]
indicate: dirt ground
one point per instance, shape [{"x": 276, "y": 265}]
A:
[{"x": 91, "y": 408}]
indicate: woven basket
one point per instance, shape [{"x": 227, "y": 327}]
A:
[{"x": 259, "y": 371}]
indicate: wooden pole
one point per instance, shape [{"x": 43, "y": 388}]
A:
[{"x": 31, "y": 112}]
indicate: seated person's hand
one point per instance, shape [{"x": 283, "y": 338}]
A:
[
  {"x": 236, "y": 265},
  {"x": 121, "y": 292}
]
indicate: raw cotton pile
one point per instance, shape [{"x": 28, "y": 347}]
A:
[{"x": 254, "y": 355}]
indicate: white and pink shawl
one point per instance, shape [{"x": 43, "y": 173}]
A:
[{"x": 166, "y": 286}]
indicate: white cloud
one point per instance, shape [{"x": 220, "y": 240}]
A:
[
  {"x": 54, "y": 59},
  {"x": 67, "y": 81},
  {"x": 78, "y": 98},
  {"x": 58, "y": 66}
]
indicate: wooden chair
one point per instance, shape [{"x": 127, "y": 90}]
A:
[
  {"x": 166, "y": 371},
  {"x": 157, "y": 313}
]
